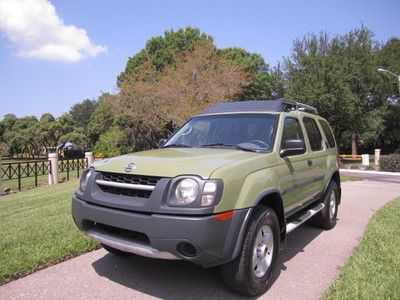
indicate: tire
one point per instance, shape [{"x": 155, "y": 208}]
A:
[
  {"x": 326, "y": 218},
  {"x": 115, "y": 251},
  {"x": 253, "y": 278}
]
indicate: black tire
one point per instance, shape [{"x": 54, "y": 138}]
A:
[
  {"x": 115, "y": 251},
  {"x": 239, "y": 274},
  {"x": 326, "y": 219}
]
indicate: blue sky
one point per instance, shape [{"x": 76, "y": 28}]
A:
[{"x": 36, "y": 80}]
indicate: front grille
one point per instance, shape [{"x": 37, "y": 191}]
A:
[
  {"x": 128, "y": 179},
  {"x": 125, "y": 192}
]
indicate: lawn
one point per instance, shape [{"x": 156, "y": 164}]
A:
[
  {"x": 350, "y": 178},
  {"x": 36, "y": 230},
  {"x": 373, "y": 270}
]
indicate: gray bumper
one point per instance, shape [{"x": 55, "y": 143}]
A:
[{"x": 216, "y": 242}]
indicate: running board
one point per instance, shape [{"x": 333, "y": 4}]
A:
[{"x": 307, "y": 215}]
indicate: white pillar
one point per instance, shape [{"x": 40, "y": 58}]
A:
[
  {"x": 365, "y": 159},
  {"x": 53, "y": 175},
  {"x": 377, "y": 157},
  {"x": 89, "y": 157}
]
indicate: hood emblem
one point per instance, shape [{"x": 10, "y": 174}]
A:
[{"x": 130, "y": 167}]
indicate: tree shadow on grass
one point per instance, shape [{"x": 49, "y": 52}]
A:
[{"x": 179, "y": 279}]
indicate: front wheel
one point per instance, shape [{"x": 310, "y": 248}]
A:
[
  {"x": 326, "y": 218},
  {"x": 251, "y": 273}
]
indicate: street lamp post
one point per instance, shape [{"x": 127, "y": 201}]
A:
[{"x": 391, "y": 73}]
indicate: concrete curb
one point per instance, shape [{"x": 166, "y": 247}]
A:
[{"x": 370, "y": 172}]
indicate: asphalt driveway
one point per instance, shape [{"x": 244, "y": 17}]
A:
[{"x": 308, "y": 265}]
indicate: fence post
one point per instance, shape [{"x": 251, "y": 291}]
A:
[
  {"x": 89, "y": 158},
  {"x": 53, "y": 175},
  {"x": 377, "y": 157},
  {"x": 365, "y": 159}
]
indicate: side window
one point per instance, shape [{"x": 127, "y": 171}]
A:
[
  {"x": 328, "y": 133},
  {"x": 313, "y": 133},
  {"x": 291, "y": 130}
]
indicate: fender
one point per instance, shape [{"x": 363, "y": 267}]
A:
[
  {"x": 256, "y": 202},
  {"x": 334, "y": 173}
]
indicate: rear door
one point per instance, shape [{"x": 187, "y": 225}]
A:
[{"x": 317, "y": 157}]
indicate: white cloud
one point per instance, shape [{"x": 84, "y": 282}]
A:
[{"x": 36, "y": 31}]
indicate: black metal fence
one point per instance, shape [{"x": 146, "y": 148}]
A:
[
  {"x": 13, "y": 173},
  {"x": 71, "y": 165}
]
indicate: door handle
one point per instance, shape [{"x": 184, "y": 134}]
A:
[{"x": 309, "y": 163}]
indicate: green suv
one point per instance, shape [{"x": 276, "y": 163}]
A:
[{"x": 224, "y": 190}]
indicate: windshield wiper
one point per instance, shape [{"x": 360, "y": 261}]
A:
[
  {"x": 177, "y": 146},
  {"x": 230, "y": 146}
]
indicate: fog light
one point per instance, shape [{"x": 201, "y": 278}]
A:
[{"x": 207, "y": 200}]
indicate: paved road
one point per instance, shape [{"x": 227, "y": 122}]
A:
[
  {"x": 372, "y": 176},
  {"x": 308, "y": 265}
]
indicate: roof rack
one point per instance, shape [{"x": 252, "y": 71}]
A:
[
  {"x": 295, "y": 105},
  {"x": 277, "y": 105}
]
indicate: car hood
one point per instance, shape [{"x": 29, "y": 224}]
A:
[{"x": 170, "y": 162}]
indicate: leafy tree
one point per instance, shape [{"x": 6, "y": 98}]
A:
[
  {"x": 261, "y": 83},
  {"x": 23, "y": 137},
  {"x": 160, "y": 51},
  {"x": 339, "y": 77},
  {"x": 101, "y": 119},
  {"x": 197, "y": 79},
  {"x": 82, "y": 112},
  {"x": 113, "y": 142}
]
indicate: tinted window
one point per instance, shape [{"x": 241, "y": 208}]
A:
[
  {"x": 291, "y": 130},
  {"x": 328, "y": 133},
  {"x": 313, "y": 133}
]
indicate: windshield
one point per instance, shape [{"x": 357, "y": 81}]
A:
[{"x": 252, "y": 132}]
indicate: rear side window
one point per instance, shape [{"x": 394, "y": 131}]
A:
[
  {"x": 328, "y": 133},
  {"x": 313, "y": 133}
]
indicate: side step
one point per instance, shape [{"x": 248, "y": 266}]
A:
[{"x": 307, "y": 215}]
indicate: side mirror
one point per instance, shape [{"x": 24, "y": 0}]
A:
[
  {"x": 161, "y": 142},
  {"x": 292, "y": 147}
]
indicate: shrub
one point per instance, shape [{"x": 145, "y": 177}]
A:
[
  {"x": 390, "y": 163},
  {"x": 113, "y": 142}
]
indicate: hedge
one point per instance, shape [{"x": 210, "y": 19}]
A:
[{"x": 390, "y": 163}]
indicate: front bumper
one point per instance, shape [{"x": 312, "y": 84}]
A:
[{"x": 215, "y": 242}]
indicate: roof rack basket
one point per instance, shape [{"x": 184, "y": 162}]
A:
[{"x": 295, "y": 105}]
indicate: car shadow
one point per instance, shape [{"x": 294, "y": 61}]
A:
[{"x": 179, "y": 279}]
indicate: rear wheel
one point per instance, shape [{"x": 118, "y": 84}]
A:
[
  {"x": 251, "y": 273},
  {"x": 115, "y": 251},
  {"x": 326, "y": 218}
]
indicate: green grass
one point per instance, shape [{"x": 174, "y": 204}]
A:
[
  {"x": 373, "y": 271},
  {"x": 350, "y": 178},
  {"x": 37, "y": 230}
]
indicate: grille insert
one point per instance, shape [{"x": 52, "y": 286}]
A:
[{"x": 128, "y": 179}]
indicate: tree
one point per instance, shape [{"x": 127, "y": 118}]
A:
[
  {"x": 339, "y": 77},
  {"x": 197, "y": 79},
  {"x": 113, "y": 142},
  {"x": 261, "y": 83},
  {"x": 101, "y": 119},
  {"x": 161, "y": 51},
  {"x": 82, "y": 112}
]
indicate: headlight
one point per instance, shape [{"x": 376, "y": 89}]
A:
[
  {"x": 186, "y": 192},
  {"x": 85, "y": 176},
  {"x": 194, "y": 192}
]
